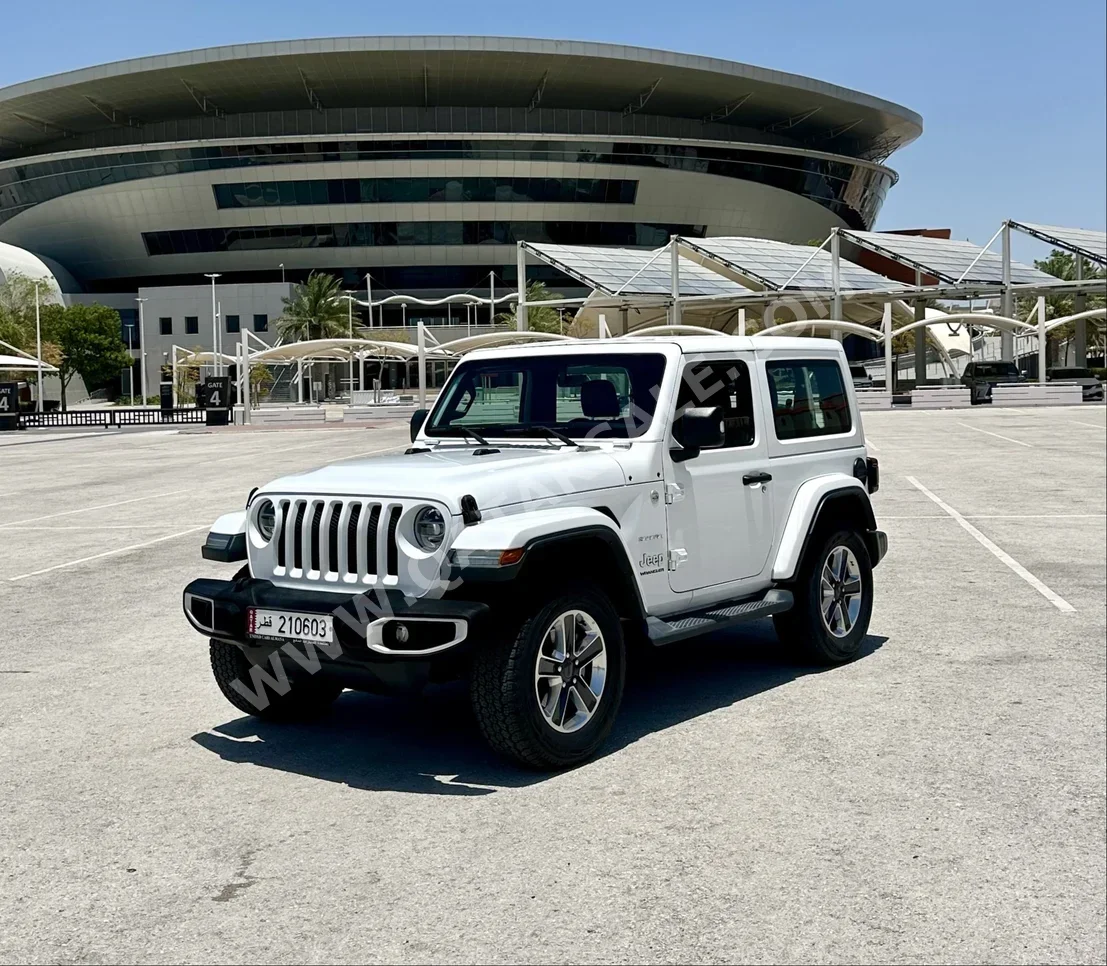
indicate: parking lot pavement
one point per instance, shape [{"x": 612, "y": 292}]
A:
[{"x": 940, "y": 799}]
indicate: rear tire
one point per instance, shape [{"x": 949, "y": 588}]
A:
[
  {"x": 305, "y": 699},
  {"x": 546, "y": 704},
  {"x": 833, "y": 600}
]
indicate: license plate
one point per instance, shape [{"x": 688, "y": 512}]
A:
[{"x": 285, "y": 625}]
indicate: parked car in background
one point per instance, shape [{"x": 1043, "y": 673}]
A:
[
  {"x": 982, "y": 377},
  {"x": 1077, "y": 376},
  {"x": 861, "y": 378}
]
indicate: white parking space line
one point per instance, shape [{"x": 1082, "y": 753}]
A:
[
  {"x": 326, "y": 436},
  {"x": 89, "y": 509},
  {"x": 1001, "y": 516},
  {"x": 1100, "y": 426},
  {"x": 369, "y": 452},
  {"x": 1055, "y": 599},
  {"x": 114, "y": 526},
  {"x": 988, "y": 432},
  {"x": 108, "y": 553}
]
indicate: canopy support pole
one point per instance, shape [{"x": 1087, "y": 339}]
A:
[
  {"x": 1041, "y": 340},
  {"x": 1080, "y": 332},
  {"x": 1007, "y": 308},
  {"x": 889, "y": 374},
  {"x": 244, "y": 376},
  {"x": 836, "y": 279},
  {"x": 674, "y": 279},
  {"x": 742, "y": 321},
  {"x": 300, "y": 381},
  {"x": 920, "y": 337},
  {"x": 173, "y": 376},
  {"x": 422, "y": 366},
  {"x": 521, "y": 271}
]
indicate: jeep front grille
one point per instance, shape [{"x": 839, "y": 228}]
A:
[{"x": 319, "y": 538}]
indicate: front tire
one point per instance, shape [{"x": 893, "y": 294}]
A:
[
  {"x": 833, "y": 601},
  {"x": 306, "y": 697},
  {"x": 547, "y": 696}
]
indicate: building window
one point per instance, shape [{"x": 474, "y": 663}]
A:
[
  {"x": 371, "y": 191},
  {"x": 808, "y": 397},
  {"x": 233, "y": 323},
  {"x": 261, "y": 323},
  {"x": 192, "y": 325},
  {"x": 379, "y": 234},
  {"x": 166, "y": 324}
]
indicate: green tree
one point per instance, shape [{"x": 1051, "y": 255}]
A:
[
  {"x": 315, "y": 310},
  {"x": 89, "y": 344},
  {"x": 17, "y": 310},
  {"x": 540, "y": 318},
  {"x": 1060, "y": 265},
  {"x": 261, "y": 383}
]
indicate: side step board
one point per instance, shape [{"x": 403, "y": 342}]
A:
[{"x": 774, "y": 601}]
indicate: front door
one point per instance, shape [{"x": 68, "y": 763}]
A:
[{"x": 720, "y": 527}]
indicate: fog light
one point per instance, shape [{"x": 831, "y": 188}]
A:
[{"x": 403, "y": 635}]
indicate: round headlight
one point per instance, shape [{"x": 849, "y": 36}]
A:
[
  {"x": 430, "y": 528},
  {"x": 266, "y": 519}
]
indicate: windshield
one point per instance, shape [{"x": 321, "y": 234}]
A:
[
  {"x": 1070, "y": 373},
  {"x": 992, "y": 369},
  {"x": 609, "y": 396}
]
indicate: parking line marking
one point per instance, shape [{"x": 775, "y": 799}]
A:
[
  {"x": 369, "y": 452},
  {"x": 89, "y": 509},
  {"x": 1055, "y": 599},
  {"x": 109, "y": 553},
  {"x": 996, "y": 435},
  {"x": 1080, "y": 422}
]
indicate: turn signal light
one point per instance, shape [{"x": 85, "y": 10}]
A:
[{"x": 509, "y": 557}]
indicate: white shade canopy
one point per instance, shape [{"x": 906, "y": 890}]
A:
[{"x": 14, "y": 363}]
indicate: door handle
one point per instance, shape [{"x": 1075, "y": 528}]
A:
[{"x": 750, "y": 478}]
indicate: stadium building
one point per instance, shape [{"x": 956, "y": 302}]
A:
[{"x": 418, "y": 160}]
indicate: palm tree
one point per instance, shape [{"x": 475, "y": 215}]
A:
[{"x": 314, "y": 311}]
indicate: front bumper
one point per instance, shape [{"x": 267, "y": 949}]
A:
[{"x": 365, "y": 653}]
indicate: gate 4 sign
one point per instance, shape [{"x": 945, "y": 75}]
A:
[
  {"x": 217, "y": 392},
  {"x": 9, "y": 405}
]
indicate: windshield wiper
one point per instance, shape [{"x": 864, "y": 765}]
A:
[
  {"x": 548, "y": 432},
  {"x": 463, "y": 431}
]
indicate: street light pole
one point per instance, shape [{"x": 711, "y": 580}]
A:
[
  {"x": 38, "y": 342},
  {"x": 350, "y": 315},
  {"x": 131, "y": 367},
  {"x": 282, "y": 273},
  {"x": 214, "y": 323},
  {"x": 142, "y": 346}
]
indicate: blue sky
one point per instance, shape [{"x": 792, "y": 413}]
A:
[{"x": 1012, "y": 93}]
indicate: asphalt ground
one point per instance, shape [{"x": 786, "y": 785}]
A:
[{"x": 942, "y": 799}]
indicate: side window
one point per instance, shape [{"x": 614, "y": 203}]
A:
[
  {"x": 726, "y": 385},
  {"x": 808, "y": 398}
]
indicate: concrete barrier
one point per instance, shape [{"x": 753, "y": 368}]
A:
[
  {"x": 1035, "y": 394},
  {"x": 941, "y": 397},
  {"x": 873, "y": 399}
]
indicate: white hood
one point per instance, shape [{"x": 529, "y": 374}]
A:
[{"x": 514, "y": 475}]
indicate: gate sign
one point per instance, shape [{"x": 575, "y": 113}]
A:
[
  {"x": 9, "y": 405},
  {"x": 217, "y": 399}
]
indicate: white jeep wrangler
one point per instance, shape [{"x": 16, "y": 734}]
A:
[{"x": 559, "y": 503}]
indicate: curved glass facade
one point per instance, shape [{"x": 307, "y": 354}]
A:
[
  {"x": 854, "y": 192},
  {"x": 374, "y": 191},
  {"x": 379, "y": 234}
]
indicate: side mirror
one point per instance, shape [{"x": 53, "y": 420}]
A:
[
  {"x": 698, "y": 429},
  {"x": 417, "y": 419}
]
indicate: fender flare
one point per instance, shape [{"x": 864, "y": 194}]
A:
[
  {"x": 536, "y": 532},
  {"x": 812, "y": 497},
  {"x": 226, "y": 541}
]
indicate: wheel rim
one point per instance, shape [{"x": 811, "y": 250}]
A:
[
  {"x": 840, "y": 592},
  {"x": 571, "y": 671}
]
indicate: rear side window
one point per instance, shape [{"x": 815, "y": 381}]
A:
[{"x": 808, "y": 398}]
